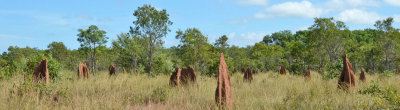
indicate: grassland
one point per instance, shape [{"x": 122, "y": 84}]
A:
[{"x": 132, "y": 91}]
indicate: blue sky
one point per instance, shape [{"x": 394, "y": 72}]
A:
[{"x": 36, "y": 23}]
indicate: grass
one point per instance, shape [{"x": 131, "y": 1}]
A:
[{"x": 131, "y": 91}]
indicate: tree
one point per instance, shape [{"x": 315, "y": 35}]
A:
[
  {"x": 194, "y": 48},
  {"x": 329, "y": 36},
  {"x": 130, "y": 50},
  {"x": 58, "y": 51},
  {"x": 279, "y": 38},
  {"x": 92, "y": 38},
  {"x": 267, "y": 39},
  {"x": 151, "y": 24},
  {"x": 222, "y": 43},
  {"x": 387, "y": 41}
]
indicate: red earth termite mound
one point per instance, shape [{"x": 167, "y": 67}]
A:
[
  {"x": 188, "y": 75},
  {"x": 347, "y": 78},
  {"x": 223, "y": 94},
  {"x": 175, "y": 77},
  {"x": 248, "y": 75},
  {"x": 308, "y": 74},
  {"x": 282, "y": 70},
  {"x": 112, "y": 70},
  {"x": 362, "y": 75},
  {"x": 83, "y": 70},
  {"x": 41, "y": 72}
]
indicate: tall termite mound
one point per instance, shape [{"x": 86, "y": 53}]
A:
[
  {"x": 248, "y": 75},
  {"x": 175, "y": 77},
  {"x": 183, "y": 76},
  {"x": 282, "y": 70},
  {"x": 112, "y": 70},
  {"x": 188, "y": 75},
  {"x": 362, "y": 75},
  {"x": 41, "y": 72},
  {"x": 347, "y": 79},
  {"x": 308, "y": 74},
  {"x": 83, "y": 70},
  {"x": 223, "y": 94}
]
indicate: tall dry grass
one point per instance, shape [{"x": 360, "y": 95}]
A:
[{"x": 132, "y": 91}]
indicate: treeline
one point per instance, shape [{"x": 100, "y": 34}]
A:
[{"x": 141, "y": 50}]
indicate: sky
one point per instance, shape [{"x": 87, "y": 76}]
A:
[{"x": 37, "y": 23}]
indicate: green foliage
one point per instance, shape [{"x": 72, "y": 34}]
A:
[
  {"x": 152, "y": 25},
  {"x": 389, "y": 93},
  {"x": 53, "y": 66},
  {"x": 129, "y": 50},
  {"x": 297, "y": 68},
  {"x": 387, "y": 73},
  {"x": 159, "y": 94},
  {"x": 332, "y": 71},
  {"x": 91, "y": 38},
  {"x": 373, "y": 89},
  {"x": 221, "y": 43},
  {"x": 194, "y": 49},
  {"x": 58, "y": 51},
  {"x": 162, "y": 64}
]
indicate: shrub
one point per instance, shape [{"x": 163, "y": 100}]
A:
[
  {"x": 297, "y": 67},
  {"x": 53, "y": 66},
  {"x": 159, "y": 95},
  {"x": 332, "y": 71},
  {"x": 387, "y": 73},
  {"x": 389, "y": 94},
  {"x": 373, "y": 89}
]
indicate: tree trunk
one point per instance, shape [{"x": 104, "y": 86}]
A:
[
  {"x": 94, "y": 58},
  {"x": 134, "y": 63},
  {"x": 150, "y": 54}
]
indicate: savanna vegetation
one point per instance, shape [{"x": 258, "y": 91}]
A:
[{"x": 145, "y": 85}]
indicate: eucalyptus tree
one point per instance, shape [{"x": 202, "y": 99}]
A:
[
  {"x": 90, "y": 39},
  {"x": 152, "y": 25}
]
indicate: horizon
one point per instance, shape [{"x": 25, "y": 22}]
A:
[{"x": 37, "y": 24}]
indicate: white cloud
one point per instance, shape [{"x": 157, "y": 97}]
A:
[
  {"x": 303, "y": 9},
  {"x": 393, "y": 2},
  {"x": 344, "y": 4},
  {"x": 358, "y": 16},
  {"x": 252, "y": 2}
]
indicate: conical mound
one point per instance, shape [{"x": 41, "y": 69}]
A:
[
  {"x": 347, "y": 78},
  {"x": 41, "y": 72},
  {"x": 308, "y": 74},
  {"x": 175, "y": 77},
  {"x": 112, "y": 70},
  {"x": 223, "y": 94},
  {"x": 282, "y": 70},
  {"x": 362, "y": 75},
  {"x": 248, "y": 75}
]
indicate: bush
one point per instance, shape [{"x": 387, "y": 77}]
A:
[
  {"x": 373, "y": 89},
  {"x": 159, "y": 95},
  {"x": 387, "y": 73},
  {"x": 332, "y": 71},
  {"x": 53, "y": 66},
  {"x": 297, "y": 68},
  {"x": 389, "y": 94}
]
